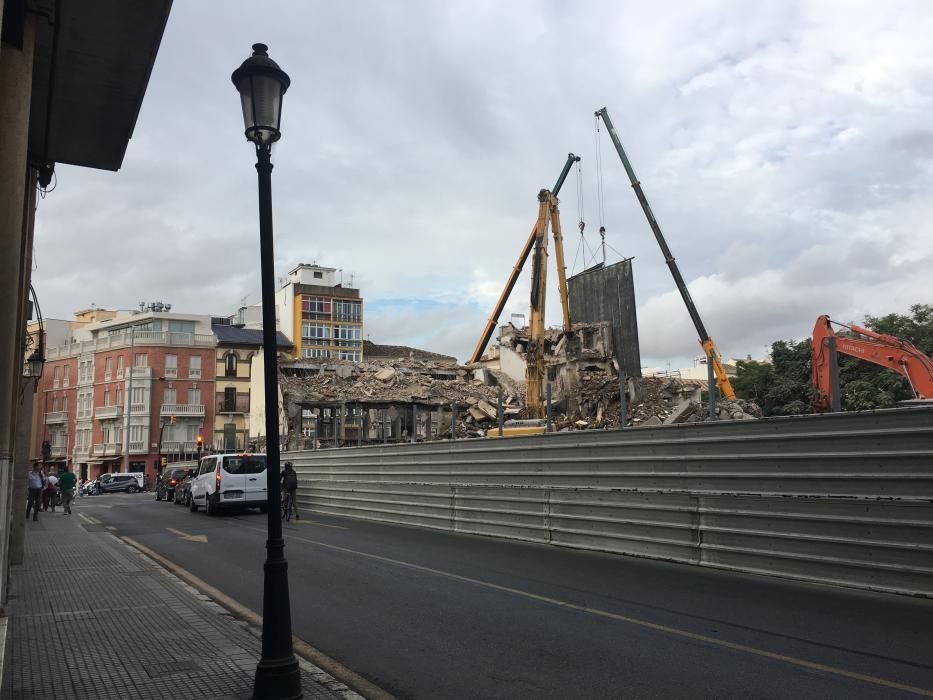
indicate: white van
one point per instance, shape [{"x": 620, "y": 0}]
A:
[{"x": 229, "y": 480}]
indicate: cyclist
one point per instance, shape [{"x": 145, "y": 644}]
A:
[{"x": 289, "y": 484}]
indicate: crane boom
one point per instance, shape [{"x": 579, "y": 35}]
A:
[
  {"x": 709, "y": 348},
  {"x": 516, "y": 270}
]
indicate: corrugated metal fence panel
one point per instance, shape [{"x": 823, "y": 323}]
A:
[{"x": 846, "y": 498}]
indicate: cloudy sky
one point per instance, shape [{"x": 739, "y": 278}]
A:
[{"x": 786, "y": 148}]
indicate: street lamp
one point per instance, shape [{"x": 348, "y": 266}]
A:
[
  {"x": 35, "y": 363},
  {"x": 261, "y": 84}
]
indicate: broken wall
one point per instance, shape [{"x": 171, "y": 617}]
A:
[{"x": 607, "y": 293}]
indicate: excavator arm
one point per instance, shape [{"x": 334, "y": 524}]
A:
[
  {"x": 517, "y": 269},
  {"x": 885, "y": 350}
]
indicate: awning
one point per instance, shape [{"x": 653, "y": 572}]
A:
[{"x": 104, "y": 54}]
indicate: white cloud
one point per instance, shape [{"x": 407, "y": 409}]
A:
[{"x": 785, "y": 148}]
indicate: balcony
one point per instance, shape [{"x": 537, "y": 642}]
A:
[
  {"x": 59, "y": 451},
  {"x": 240, "y": 404},
  {"x": 179, "y": 410},
  {"x": 142, "y": 372},
  {"x": 171, "y": 372},
  {"x": 137, "y": 447},
  {"x": 124, "y": 340},
  {"x": 108, "y": 412},
  {"x": 107, "y": 449},
  {"x": 174, "y": 447},
  {"x": 56, "y": 417}
]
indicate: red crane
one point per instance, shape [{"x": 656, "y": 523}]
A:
[{"x": 881, "y": 349}]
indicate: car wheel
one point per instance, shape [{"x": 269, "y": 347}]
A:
[
  {"x": 210, "y": 505},
  {"x": 132, "y": 489},
  {"x": 192, "y": 505}
]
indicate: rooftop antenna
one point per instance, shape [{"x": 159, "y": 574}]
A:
[
  {"x": 168, "y": 307},
  {"x": 142, "y": 306}
]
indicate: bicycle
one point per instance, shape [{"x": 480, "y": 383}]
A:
[{"x": 288, "y": 506}]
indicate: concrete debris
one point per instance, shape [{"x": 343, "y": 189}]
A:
[{"x": 385, "y": 374}]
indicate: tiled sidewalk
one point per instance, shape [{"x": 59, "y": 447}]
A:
[{"x": 91, "y": 618}]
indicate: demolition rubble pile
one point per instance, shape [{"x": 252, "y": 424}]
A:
[
  {"x": 404, "y": 381},
  {"x": 651, "y": 401}
]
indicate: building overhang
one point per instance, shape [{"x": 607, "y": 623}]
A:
[{"x": 90, "y": 73}]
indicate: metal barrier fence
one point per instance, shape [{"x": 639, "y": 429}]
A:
[{"x": 842, "y": 498}]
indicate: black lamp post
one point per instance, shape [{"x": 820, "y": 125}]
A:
[{"x": 261, "y": 84}]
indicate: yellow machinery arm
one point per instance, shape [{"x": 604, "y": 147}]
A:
[
  {"x": 536, "y": 371},
  {"x": 516, "y": 270}
]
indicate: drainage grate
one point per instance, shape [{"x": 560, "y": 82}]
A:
[{"x": 169, "y": 667}]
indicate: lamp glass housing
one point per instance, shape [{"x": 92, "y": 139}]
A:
[{"x": 261, "y": 84}]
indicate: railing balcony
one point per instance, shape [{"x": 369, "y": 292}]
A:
[
  {"x": 137, "y": 447},
  {"x": 142, "y": 372},
  {"x": 59, "y": 451},
  {"x": 56, "y": 416},
  {"x": 182, "y": 409},
  {"x": 107, "y": 449},
  {"x": 106, "y": 412},
  {"x": 171, "y": 372},
  {"x": 176, "y": 447},
  {"x": 194, "y": 373},
  {"x": 139, "y": 408},
  {"x": 239, "y": 404},
  {"x": 106, "y": 376}
]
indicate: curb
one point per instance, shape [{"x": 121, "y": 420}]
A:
[{"x": 334, "y": 668}]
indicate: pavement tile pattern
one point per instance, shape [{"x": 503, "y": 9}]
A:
[{"x": 91, "y": 618}]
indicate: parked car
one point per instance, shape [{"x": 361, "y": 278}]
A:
[
  {"x": 228, "y": 481},
  {"x": 112, "y": 483},
  {"x": 168, "y": 482}
]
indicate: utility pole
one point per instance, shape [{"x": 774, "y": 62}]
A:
[{"x": 128, "y": 402}]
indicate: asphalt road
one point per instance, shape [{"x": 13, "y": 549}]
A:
[{"x": 434, "y": 615}]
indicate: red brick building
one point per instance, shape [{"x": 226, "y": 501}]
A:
[{"x": 127, "y": 392}]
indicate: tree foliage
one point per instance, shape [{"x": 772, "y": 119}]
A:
[{"x": 784, "y": 386}]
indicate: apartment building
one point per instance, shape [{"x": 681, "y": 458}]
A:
[
  {"x": 126, "y": 391},
  {"x": 321, "y": 315},
  {"x": 238, "y": 357}
]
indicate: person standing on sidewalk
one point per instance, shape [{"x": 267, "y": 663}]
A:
[
  {"x": 36, "y": 484},
  {"x": 66, "y": 486},
  {"x": 50, "y": 492},
  {"x": 289, "y": 479}
]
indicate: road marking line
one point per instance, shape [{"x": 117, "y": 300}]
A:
[
  {"x": 186, "y": 536},
  {"x": 111, "y": 527},
  {"x": 317, "y": 657},
  {"x": 674, "y": 631},
  {"x": 315, "y": 522},
  {"x": 89, "y": 519}
]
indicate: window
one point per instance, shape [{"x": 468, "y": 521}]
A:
[
  {"x": 348, "y": 355},
  {"x": 65, "y": 376},
  {"x": 120, "y": 367},
  {"x": 252, "y": 464},
  {"x": 58, "y": 378},
  {"x": 169, "y": 395},
  {"x": 315, "y": 331},
  {"x": 137, "y": 433},
  {"x": 318, "y": 275},
  {"x": 316, "y": 307},
  {"x": 107, "y": 397},
  {"x": 230, "y": 398},
  {"x": 65, "y": 404},
  {"x": 348, "y": 311},
  {"x": 348, "y": 336},
  {"x": 139, "y": 396},
  {"x": 119, "y": 396},
  {"x": 230, "y": 365},
  {"x": 193, "y": 430},
  {"x": 108, "y": 368},
  {"x": 55, "y": 405},
  {"x": 309, "y": 353},
  {"x": 171, "y": 365},
  {"x": 176, "y": 326},
  {"x": 194, "y": 367},
  {"x": 194, "y": 397},
  {"x": 142, "y": 359}
]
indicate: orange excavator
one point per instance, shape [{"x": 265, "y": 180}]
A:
[{"x": 881, "y": 349}]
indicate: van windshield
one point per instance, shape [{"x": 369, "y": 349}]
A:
[{"x": 245, "y": 464}]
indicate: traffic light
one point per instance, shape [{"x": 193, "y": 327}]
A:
[
  {"x": 171, "y": 420},
  {"x": 200, "y": 443},
  {"x": 163, "y": 460}
]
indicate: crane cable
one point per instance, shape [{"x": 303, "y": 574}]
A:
[
  {"x": 600, "y": 197},
  {"x": 582, "y": 246}
]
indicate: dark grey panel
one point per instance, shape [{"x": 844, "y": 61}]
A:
[{"x": 607, "y": 293}]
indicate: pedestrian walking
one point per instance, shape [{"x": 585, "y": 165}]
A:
[
  {"x": 36, "y": 482},
  {"x": 289, "y": 483},
  {"x": 50, "y": 492},
  {"x": 66, "y": 485}
]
